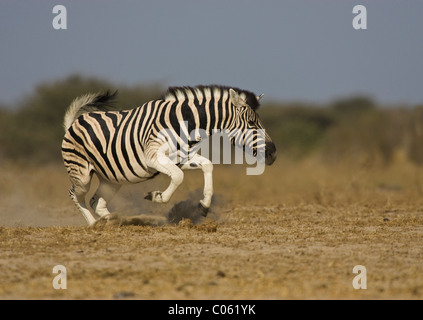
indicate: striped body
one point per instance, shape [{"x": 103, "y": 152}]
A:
[
  {"x": 131, "y": 146},
  {"x": 109, "y": 142}
]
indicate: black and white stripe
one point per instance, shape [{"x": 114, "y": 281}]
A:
[{"x": 134, "y": 145}]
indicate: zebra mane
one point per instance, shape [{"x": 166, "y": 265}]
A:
[{"x": 183, "y": 93}]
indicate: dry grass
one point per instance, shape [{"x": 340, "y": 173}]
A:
[{"x": 295, "y": 232}]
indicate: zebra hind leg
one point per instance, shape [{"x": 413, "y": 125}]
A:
[
  {"x": 102, "y": 196},
  {"x": 78, "y": 197}
]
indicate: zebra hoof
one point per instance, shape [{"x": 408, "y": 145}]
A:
[
  {"x": 149, "y": 196},
  {"x": 203, "y": 210}
]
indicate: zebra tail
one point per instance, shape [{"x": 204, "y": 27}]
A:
[{"x": 87, "y": 103}]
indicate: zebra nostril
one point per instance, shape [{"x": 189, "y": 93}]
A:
[{"x": 270, "y": 153}]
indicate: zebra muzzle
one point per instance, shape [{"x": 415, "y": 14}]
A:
[
  {"x": 149, "y": 196},
  {"x": 203, "y": 210},
  {"x": 270, "y": 154}
]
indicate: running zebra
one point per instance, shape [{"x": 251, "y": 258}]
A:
[{"x": 132, "y": 146}]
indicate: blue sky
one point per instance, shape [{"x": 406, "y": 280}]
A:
[{"x": 294, "y": 50}]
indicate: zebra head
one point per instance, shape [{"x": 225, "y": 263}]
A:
[{"x": 248, "y": 131}]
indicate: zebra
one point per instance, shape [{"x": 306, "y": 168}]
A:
[{"x": 131, "y": 146}]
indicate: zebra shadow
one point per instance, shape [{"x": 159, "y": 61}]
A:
[
  {"x": 188, "y": 209},
  {"x": 184, "y": 210},
  {"x": 192, "y": 210}
]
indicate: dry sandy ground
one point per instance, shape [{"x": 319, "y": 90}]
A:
[{"x": 295, "y": 232}]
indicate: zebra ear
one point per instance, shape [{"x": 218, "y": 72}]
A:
[
  {"x": 260, "y": 96},
  {"x": 237, "y": 101}
]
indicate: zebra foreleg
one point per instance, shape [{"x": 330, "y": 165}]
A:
[
  {"x": 199, "y": 162},
  {"x": 164, "y": 165}
]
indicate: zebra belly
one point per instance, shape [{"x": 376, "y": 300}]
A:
[{"x": 123, "y": 173}]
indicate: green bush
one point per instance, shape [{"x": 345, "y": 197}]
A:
[
  {"x": 296, "y": 130},
  {"x": 34, "y": 131},
  {"x": 350, "y": 129}
]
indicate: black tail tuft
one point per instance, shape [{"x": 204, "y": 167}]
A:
[{"x": 103, "y": 99}]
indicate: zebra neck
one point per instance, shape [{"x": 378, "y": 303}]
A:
[{"x": 210, "y": 116}]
